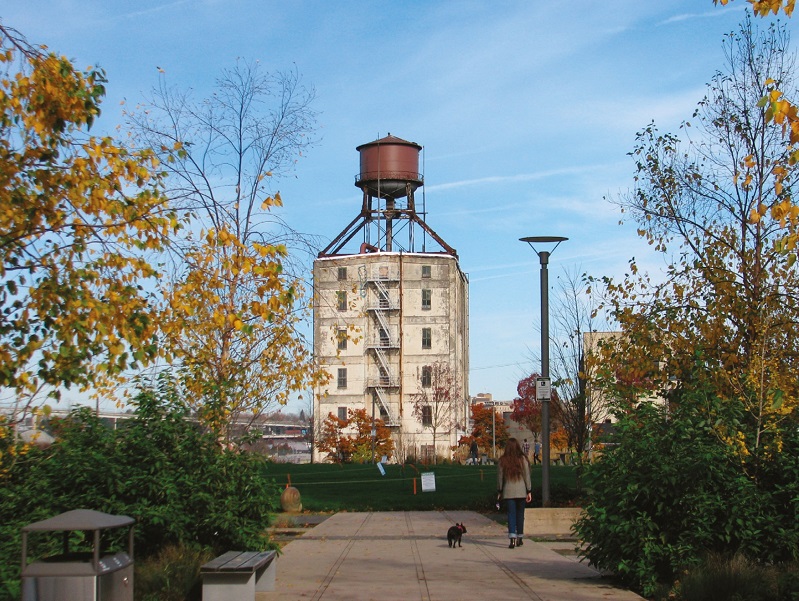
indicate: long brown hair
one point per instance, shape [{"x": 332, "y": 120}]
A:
[{"x": 513, "y": 460}]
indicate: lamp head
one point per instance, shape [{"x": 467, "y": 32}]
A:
[
  {"x": 543, "y": 239},
  {"x": 556, "y": 240}
]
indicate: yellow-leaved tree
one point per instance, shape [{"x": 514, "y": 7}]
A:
[
  {"x": 230, "y": 323},
  {"x": 762, "y": 8},
  {"x": 712, "y": 335},
  {"x": 730, "y": 298},
  {"x": 782, "y": 111},
  {"x": 78, "y": 216},
  {"x": 234, "y": 301}
]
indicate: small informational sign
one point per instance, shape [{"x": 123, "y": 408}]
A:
[
  {"x": 381, "y": 469},
  {"x": 428, "y": 481},
  {"x": 543, "y": 389}
]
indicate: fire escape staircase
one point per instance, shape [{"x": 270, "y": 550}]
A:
[{"x": 383, "y": 342}]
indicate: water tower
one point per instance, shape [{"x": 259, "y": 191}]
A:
[
  {"x": 389, "y": 178},
  {"x": 390, "y": 301}
]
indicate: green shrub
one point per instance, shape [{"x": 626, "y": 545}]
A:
[
  {"x": 159, "y": 468},
  {"x": 173, "y": 574},
  {"x": 672, "y": 489}
]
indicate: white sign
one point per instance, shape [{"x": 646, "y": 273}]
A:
[
  {"x": 543, "y": 389},
  {"x": 380, "y": 469},
  {"x": 428, "y": 481}
]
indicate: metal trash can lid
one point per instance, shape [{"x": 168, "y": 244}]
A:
[{"x": 80, "y": 519}]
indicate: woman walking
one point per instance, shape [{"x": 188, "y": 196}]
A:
[{"x": 513, "y": 485}]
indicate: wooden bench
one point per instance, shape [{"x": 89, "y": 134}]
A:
[{"x": 237, "y": 575}]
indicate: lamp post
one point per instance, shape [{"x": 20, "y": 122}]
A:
[
  {"x": 493, "y": 432},
  {"x": 543, "y": 257}
]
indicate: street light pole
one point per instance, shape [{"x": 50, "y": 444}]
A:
[
  {"x": 543, "y": 257},
  {"x": 493, "y": 432},
  {"x": 374, "y": 429}
]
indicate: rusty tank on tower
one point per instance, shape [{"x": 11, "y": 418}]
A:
[{"x": 389, "y": 179}]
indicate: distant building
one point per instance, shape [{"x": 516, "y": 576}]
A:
[
  {"x": 388, "y": 305},
  {"x": 599, "y": 406}
]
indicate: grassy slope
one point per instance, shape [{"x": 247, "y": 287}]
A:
[{"x": 353, "y": 487}]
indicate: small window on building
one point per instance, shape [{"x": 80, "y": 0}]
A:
[
  {"x": 427, "y": 299},
  {"x": 427, "y": 376},
  {"x": 341, "y": 336},
  {"x": 341, "y": 298},
  {"x": 342, "y": 413},
  {"x": 427, "y": 416},
  {"x": 426, "y": 271},
  {"x": 342, "y": 274},
  {"x": 341, "y": 381},
  {"x": 427, "y": 338},
  {"x": 385, "y": 340}
]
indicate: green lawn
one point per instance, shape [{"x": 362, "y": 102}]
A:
[{"x": 355, "y": 487}]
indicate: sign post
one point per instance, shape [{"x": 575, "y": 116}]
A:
[{"x": 543, "y": 389}]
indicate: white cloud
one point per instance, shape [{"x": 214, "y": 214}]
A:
[{"x": 718, "y": 13}]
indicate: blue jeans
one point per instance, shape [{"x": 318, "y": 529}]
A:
[{"x": 515, "y": 517}]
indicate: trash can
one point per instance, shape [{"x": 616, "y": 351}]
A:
[{"x": 79, "y": 575}]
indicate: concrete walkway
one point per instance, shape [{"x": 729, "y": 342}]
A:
[{"x": 404, "y": 556}]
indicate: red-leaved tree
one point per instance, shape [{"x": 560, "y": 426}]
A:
[
  {"x": 489, "y": 427},
  {"x": 526, "y": 410},
  {"x": 350, "y": 440}
]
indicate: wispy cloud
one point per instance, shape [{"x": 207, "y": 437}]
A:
[
  {"x": 511, "y": 179},
  {"x": 155, "y": 9},
  {"x": 708, "y": 14}
]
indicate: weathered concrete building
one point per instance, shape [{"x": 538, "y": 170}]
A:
[{"x": 390, "y": 307}]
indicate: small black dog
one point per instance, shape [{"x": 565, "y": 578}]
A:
[{"x": 454, "y": 535}]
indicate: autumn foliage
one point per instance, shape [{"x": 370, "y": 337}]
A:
[
  {"x": 116, "y": 259},
  {"x": 230, "y": 323},
  {"x": 79, "y": 216},
  {"x": 526, "y": 410},
  {"x": 489, "y": 427},
  {"x": 702, "y": 374},
  {"x": 350, "y": 440},
  {"x": 763, "y": 8},
  {"x": 728, "y": 297},
  {"x": 233, "y": 301},
  {"x": 781, "y": 111}
]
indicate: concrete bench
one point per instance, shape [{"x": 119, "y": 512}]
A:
[
  {"x": 550, "y": 522},
  {"x": 237, "y": 575}
]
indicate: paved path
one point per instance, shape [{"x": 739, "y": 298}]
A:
[{"x": 404, "y": 556}]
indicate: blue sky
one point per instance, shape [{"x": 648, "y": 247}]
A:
[{"x": 526, "y": 111}]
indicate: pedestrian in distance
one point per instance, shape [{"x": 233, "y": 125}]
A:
[
  {"x": 537, "y": 452},
  {"x": 473, "y": 450},
  {"x": 514, "y": 486},
  {"x": 526, "y": 449}
]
